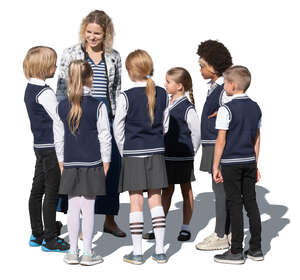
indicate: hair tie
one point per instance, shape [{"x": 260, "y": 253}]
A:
[{"x": 148, "y": 76}]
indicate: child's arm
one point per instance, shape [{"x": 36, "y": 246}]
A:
[
  {"x": 166, "y": 117},
  {"x": 219, "y": 148},
  {"x": 193, "y": 123},
  {"x": 213, "y": 115},
  {"x": 256, "y": 149},
  {"x": 119, "y": 121},
  {"x": 104, "y": 136}
]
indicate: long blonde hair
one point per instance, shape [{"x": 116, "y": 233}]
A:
[
  {"x": 80, "y": 74},
  {"x": 139, "y": 65},
  {"x": 182, "y": 76},
  {"x": 102, "y": 19},
  {"x": 38, "y": 62}
]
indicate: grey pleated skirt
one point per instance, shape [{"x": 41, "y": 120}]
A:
[
  {"x": 87, "y": 181},
  {"x": 143, "y": 173},
  {"x": 207, "y": 159}
]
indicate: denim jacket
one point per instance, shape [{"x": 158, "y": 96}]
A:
[{"x": 113, "y": 68}]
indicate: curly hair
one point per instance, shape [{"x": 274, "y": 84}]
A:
[
  {"x": 101, "y": 18},
  {"x": 216, "y": 55}
]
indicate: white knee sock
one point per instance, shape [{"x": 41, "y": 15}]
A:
[
  {"x": 73, "y": 221},
  {"x": 159, "y": 224},
  {"x": 87, "y": 208},
  {"x": 136, "y": 224},
  {"x": 185, "y": 227}
]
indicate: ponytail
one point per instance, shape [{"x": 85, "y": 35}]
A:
[
  {"x": 191, "y": 96},
  {"x": 151, "y": 93}
]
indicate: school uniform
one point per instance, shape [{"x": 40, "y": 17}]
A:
[
  {"x": 83, "y": 154},
  {"x": 141, "y": 144},
  {"x": 181, "y": 141},
  {"x": 216, "y": 97},
  {"x": 40, "y": 101},
  {"x": 241, "y": 118}
]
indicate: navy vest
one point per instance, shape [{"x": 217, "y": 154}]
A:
[
  {"x": 178, "y": 141},
  {"x": 40, "y": 122},
  {"x": 213, "y": 102},
  {"x": 240, "y": 137},
  {"x": 142, "y": 137},
  {"x": 83, "y": 148}
]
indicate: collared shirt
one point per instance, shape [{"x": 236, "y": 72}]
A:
[{"x": 223, "y": 118}]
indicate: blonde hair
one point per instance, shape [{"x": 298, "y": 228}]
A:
[
  {"x": 38, "y": 62},
  {"x": 80, "y": 74},
  {"x": 239, "y": 75},
  {"x": 182, "y": 76},
  {"x": 139, "y": 65},
  {"x": 102, "y": 19}
]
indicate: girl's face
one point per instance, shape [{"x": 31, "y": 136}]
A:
[
  {"x": 171, "y": 86},
  {"x": 94, "y": 35},
  {"x": 207, "y": 71}
]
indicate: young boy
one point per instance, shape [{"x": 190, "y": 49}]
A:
[
  {"x": 214, "y": 60},
  {"x": 40, "y": 64},
  {"x": 237, "y": 150}
]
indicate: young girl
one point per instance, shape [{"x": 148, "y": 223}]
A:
[
  {"x": 84, "y": 156},
  {"x": 140, "y": 121},
  {"x": 182, "y": 142},
  {"x": 39, "y": 65}
]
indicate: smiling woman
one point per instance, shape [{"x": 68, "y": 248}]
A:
[{"x": 96, "y": 36}]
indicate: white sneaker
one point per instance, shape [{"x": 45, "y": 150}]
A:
[
  {"x": 213, "y": 242},
  {"x": 229, "y": 236},
  {"x": 90, "y": 259},
  {"x": 72, "y": 257}
]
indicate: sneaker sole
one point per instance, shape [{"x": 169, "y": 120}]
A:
[
  {"x": 90, "y": 263},
  {"x": 257, "y": 259},
  {"x": 54, "y": 250},
  {"x": 132, "y": 261},
  {"x": 159, "y": 261},
  {"x": 229, "y": 261},
  {"x": 71, "y": 262},
  {"x": 33, "y": 244},
  {"x": 213, "y": 249}
]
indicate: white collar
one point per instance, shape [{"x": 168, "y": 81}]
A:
[
  {"x": 177, "y": 99},
  {"x": 239, "y": 95},
  {"x": 87, "y": 91},
  {"x": 36, "y": 81},
  {"x": 139, "y": 84}
]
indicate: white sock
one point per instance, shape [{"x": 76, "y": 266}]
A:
[
  {"x": 136, "y": 225},
  {"x": 159, "y": 224},
  {"x": 185, "y": 227}
]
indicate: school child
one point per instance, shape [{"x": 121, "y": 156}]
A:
[
  {"x": 181, "y": 143},
  {"x": 214, "y": 60},
  {"x": 39, "y": 65},
  {"x": 237, "y": 150},
  {"x": 84, "y": 153},
  {"x": 140, "y": 121}
]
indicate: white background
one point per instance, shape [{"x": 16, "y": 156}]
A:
[{"x": 262, "y": 35}]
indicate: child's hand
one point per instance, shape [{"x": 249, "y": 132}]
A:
[
  {"x": 106, "y": 167},
  {"x": 213, "y": 115},
  {"x": 217, "y": 175},
  {"x": 61, "y": 167},
  {"x": 258, "y": 176}
]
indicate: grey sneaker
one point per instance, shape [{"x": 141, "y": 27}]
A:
[
  {"x": 90, "y": 259},
  {"x": 134, "y": 259},
  {"x": 160, "y": 258},
  {"x": 254, "y": 255},
  {"x": 230, "y": 258},
  {"x": 71, "y": 257}
]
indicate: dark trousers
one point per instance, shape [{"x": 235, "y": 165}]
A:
[
  {"x": 45, "y": 184},
  {"x": 239, "y": 184}
]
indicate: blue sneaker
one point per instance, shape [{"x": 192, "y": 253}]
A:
[
  {"x": 35, "y": 241},
  {"x": 134, "y": 259},
  {"x": 55, "y": 245},
  {"x": 160, "y": 258}
]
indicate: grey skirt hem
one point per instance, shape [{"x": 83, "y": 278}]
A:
[
  {"x": 143, "y": 174},
  {"x": 207, "y": 158}
]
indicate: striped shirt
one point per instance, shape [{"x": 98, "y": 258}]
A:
[{"x": 99, "y": 78}]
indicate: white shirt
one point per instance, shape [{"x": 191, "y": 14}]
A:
[
  {"x": 193, "y": 123},
  {"x": 103, "y": 129},
  {"x": 212, "y": 86},
  {"x": 120, "y": 117},
  {"x": 223, "y": 118}
]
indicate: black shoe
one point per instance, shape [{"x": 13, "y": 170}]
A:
[
  {"x": 56, "y": 244},
  {"x": 58, "y": 225},
  {"x": 254, "y": 255},
  {"x": 230, "y": 258},
  {"x": 149, "y": 235},
  {"x": 184, "y": 235}
]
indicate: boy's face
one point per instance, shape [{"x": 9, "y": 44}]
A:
[
  {"x": 52, "y": 71},
  {"x": 229, "y": 87},
  {"x": 207, "y": 71}
]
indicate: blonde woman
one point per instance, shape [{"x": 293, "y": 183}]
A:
[
  {"x": 95, "y": 47},
  {"x": 84, "y": 157},
  {"x": 141, "y": 119}
]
